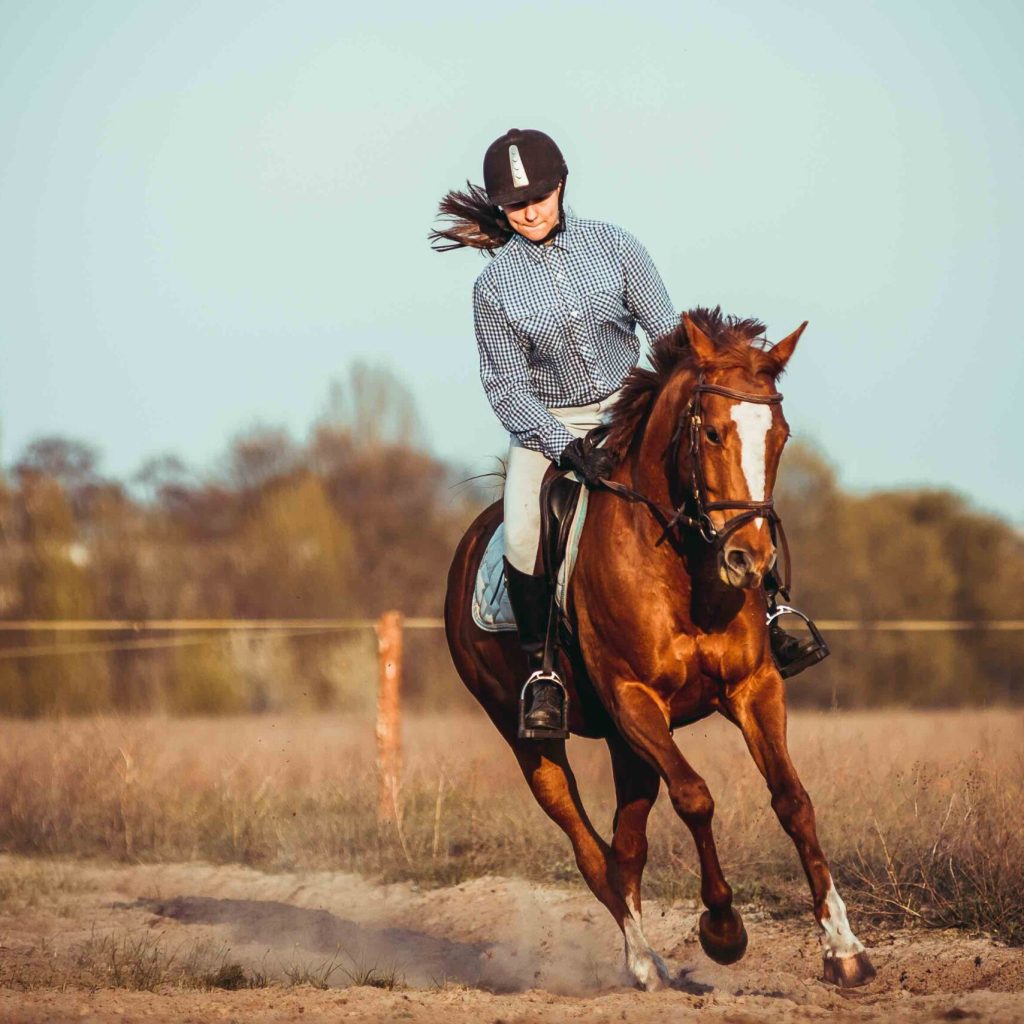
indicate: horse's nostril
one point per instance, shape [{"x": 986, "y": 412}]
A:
[{"x": 738, "y": 559}]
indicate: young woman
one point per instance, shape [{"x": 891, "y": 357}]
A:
[{"x": 555, "y": 313}]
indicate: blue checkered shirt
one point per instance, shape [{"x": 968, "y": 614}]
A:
[{"x": 555, "y": 325}]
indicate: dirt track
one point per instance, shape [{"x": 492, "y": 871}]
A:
[{"x": 493, "y": 949}]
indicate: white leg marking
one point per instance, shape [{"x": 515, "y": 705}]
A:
[
  {"x": 838, "y": 939},
  {"x": 635, "y": 907},
  {"x": 641, "y": 961},
  {"x": 752, "y": 423}
]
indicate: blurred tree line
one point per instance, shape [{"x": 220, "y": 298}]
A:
[
  {"x": 360, "y": 518},
  {"x": 903, "y": 554},
  {"x": 357, "y": 519}
]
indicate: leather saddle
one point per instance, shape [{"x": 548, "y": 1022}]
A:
[{"x": 559, "y": 499}]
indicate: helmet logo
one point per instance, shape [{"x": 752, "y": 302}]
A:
[{"x": 519, "y": 178}]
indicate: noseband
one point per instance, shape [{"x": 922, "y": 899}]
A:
[{"x": 671, "y": 518}]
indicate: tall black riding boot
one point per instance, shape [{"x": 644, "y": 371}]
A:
[
  {"x": 530, "y": 597},
  {"x": 792, "y": 655}
]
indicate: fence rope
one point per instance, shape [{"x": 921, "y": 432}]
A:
[
  {"x": 226, "y": 625},
  {"x": 922, "y": 625},
  {"x": 146, "y": 643},
  {"x": 181, "y": 625},
  {"x": 217, "y": 630}
]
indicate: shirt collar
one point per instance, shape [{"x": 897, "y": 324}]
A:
[{"x": 563, "y": 240}]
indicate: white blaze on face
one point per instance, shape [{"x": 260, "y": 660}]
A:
[
  {"x": 753, "y": 421},
  {"x": 838, "y": 939}
]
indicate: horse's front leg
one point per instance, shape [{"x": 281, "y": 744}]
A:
[
  {"x": 643, "y": 720},
  {"x": 759, "y": 709},
  {"x": 636, "y": 789}
]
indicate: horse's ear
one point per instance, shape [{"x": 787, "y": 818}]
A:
[
  {"x": 703, "y": 347},
  {"x": 780, "y": 353}
]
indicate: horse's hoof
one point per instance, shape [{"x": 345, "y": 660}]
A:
[
  {"x": 849, "y": 971},
  {"x": 649, "y": 973},
  {"x": 725, "y": 941},
  {"x": 653, "y": 982}
]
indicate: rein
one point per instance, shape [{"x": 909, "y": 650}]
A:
[{"x": 671, "y": 518}]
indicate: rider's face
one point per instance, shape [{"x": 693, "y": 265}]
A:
[{"x": 535, "y": 219}]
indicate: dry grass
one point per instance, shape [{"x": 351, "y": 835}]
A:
[
  {"x": 27, "y": 885},
  {"x": 141, "y": 961},
  {"x": 918, "y": 811},
  {"x": 350, "y": 969}
]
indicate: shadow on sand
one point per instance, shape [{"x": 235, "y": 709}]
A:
[{"x": 416, "y": 957}]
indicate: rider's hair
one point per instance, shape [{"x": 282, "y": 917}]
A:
[{"x": 473, "y": 221}]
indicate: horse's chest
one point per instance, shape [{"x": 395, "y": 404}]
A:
[
  {"x": 695, "y": 671},
  {"x": 713, "y": 659},
  {"x": 728, "y": 657}
]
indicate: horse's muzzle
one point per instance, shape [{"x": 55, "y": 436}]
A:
[{"x": 740, "y": 568}]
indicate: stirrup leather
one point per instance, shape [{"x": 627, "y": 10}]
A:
[
  {"x": 817, "y": 648},
  {"x": 561, "y": 731}
]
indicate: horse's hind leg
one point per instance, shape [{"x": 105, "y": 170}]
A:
[
  {"x": 636, "y": 789},
  {"x": 553, "y": 784},
  {"x": 760, "y": 711},
  {"x": 643, "y": 721}
]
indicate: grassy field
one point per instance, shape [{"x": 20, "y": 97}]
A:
[{"x": 919, "y": 812}]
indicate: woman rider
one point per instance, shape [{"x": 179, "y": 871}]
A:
[{"x": 555, "y": 313}]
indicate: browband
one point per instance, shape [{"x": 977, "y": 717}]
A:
[{"x": 743, "y": 396}]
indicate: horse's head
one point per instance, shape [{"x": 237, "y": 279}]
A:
[
  {"x": 730, "y": 442},
  {"x": 702, "y": 431}
]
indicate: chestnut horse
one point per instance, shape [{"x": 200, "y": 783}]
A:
[{"x": 669, "y": 619}]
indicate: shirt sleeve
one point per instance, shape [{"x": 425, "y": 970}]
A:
[
  {"x": 646, "y": 296},
  {"x": 506, "y": 379}
]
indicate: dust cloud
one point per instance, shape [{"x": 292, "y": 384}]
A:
[{"x": 543, "y": 943}]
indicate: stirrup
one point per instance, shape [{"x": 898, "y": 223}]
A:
[
  {"x": 561, "y": 731},
  {"x": 816, "y": 648}
]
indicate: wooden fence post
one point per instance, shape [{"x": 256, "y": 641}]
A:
[{"x": 389, "y": 720}]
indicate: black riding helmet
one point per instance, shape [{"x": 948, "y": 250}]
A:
[{"x": 521, "y": 166}]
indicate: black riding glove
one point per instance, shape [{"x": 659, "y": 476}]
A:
[{"x": 583, "y": 456}]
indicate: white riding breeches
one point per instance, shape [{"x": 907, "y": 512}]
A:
[{"x": 523, "y": 477}]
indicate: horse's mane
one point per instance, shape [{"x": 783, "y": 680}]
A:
[{"x": 739, "y": 344}]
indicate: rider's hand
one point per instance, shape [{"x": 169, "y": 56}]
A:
[{"x": 592, "y": 463}]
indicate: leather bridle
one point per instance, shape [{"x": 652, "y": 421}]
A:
[{"x": 696, "y": 502}]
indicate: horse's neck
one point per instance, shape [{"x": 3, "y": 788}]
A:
[
  {"x": 646, "y": 469},
  {"x": 661, "y": 471},
  {"x": 649, "y": 457}
]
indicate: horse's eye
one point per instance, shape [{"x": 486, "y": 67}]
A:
[{"x": 712, "y": 435}]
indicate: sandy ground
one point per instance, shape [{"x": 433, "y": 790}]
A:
[{"x": 491, "y": 950}]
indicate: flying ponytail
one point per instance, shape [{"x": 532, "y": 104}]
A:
[{"x": 473, "y": 222}]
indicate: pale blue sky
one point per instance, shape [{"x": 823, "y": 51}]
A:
[{"x": 207, "y": 210}]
